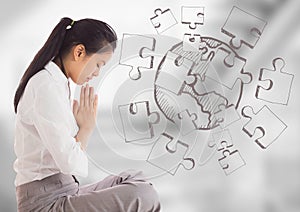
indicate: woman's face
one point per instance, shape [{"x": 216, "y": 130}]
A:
[
  {"x": 92, "y": 66},
  {"x": 88, "y": 66}
]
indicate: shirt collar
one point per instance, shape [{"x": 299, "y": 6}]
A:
[{"x": 56, "y": 72}]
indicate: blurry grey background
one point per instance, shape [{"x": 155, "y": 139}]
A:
[{"x": 270, "y": 179}]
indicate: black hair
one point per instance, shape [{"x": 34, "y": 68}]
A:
[{"x": 93, "y": 34}]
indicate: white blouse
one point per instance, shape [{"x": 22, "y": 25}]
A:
[{"x": 45, "y": 129}]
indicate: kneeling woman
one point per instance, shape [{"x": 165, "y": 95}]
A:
[{"x": 51, "y": 137}]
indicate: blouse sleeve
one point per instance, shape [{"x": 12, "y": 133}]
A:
[{"x": 50, "y": 119}]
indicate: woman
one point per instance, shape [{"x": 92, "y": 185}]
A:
[{"x": 51, "y": 138}]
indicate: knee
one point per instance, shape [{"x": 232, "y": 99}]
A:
[
  {"x": 132, "y": 175},
  {"x": 144, "y": 196}
]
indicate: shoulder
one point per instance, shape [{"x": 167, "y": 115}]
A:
[
  {"x": 42, "y": 78},
  {"x": 43, "y": 83},
  {"x": 38, "y": 81},
  {"x": 43, "y": 92},
  {"x": 36, "y": 84}
]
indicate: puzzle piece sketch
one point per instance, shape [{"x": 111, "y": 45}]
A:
[
  {"x": 163, "y": 20},
  {"x": 227, "y": 115},
  {"x": 192, "y": 42},
  {"x": 193, "y": 16},
  {"x": 279, "y": 84},
  {"x": 264, "y": 126},
  {"x": 243, "y": 27},
  {"x": 186, "y": 122},
  {"x": 226, "y": 68},
  {"x": 223, "y": 139},
  {"x": 188, "y": 163},
  {"x": 137, "y": 121},
  {"x": 169, "y": 159},
  {"x": 219, "y": 139},
  {"x": 135, "y": 52},
  {"x": 231, "y": 159},
  {"x": 172, "y": 75}
]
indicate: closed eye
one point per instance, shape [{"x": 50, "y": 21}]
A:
[{"x": 102, "y": 64}]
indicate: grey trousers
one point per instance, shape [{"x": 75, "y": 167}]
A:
[{"x": 128, "y": 191}]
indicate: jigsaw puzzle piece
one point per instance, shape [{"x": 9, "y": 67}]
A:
[
  {"x": 279, "y": 84},
  {"x": 135, "y": 51},
  {"x": 188, "y": 163},
  {"x": 193, "y": 16},
  {"x": 223, "y": 140},
  {"x": 227, "y": 115},
  {"x": 137, "y": 121},
  {"x": 193, "y": 42},
  {"x": 169, "y": 158},
  {"x": 229, "y": 158},
  {"x": 163, "y": 20},
  {"x": 231, "y": 161},
  {"x": 220, "y": 140},
  {"x": 173, "y": 76},
  {"x": 264, "y": 122},
  {"x": 186, "y": 122},
  {"x": 226, "y": 69},
  {"x": 243, "y": 27}
]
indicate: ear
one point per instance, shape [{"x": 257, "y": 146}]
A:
[{"x": 79, "y": 52}]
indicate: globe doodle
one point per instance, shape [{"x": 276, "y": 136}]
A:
[{"x": 205, "y": 92}]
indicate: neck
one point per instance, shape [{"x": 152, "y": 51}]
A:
[{"x": 59, "y": 62}]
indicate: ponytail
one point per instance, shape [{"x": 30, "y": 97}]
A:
[{"x": 94, "y": 34}]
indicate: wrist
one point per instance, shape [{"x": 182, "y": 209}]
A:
[
  {"x": 82, "y": 146},
  {"x": 82, "y": 137}
]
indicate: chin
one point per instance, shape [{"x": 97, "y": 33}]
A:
[{"x": 80, "y": 82}]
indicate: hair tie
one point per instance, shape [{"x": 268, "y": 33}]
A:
[{"x": 70, "y": 26}]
